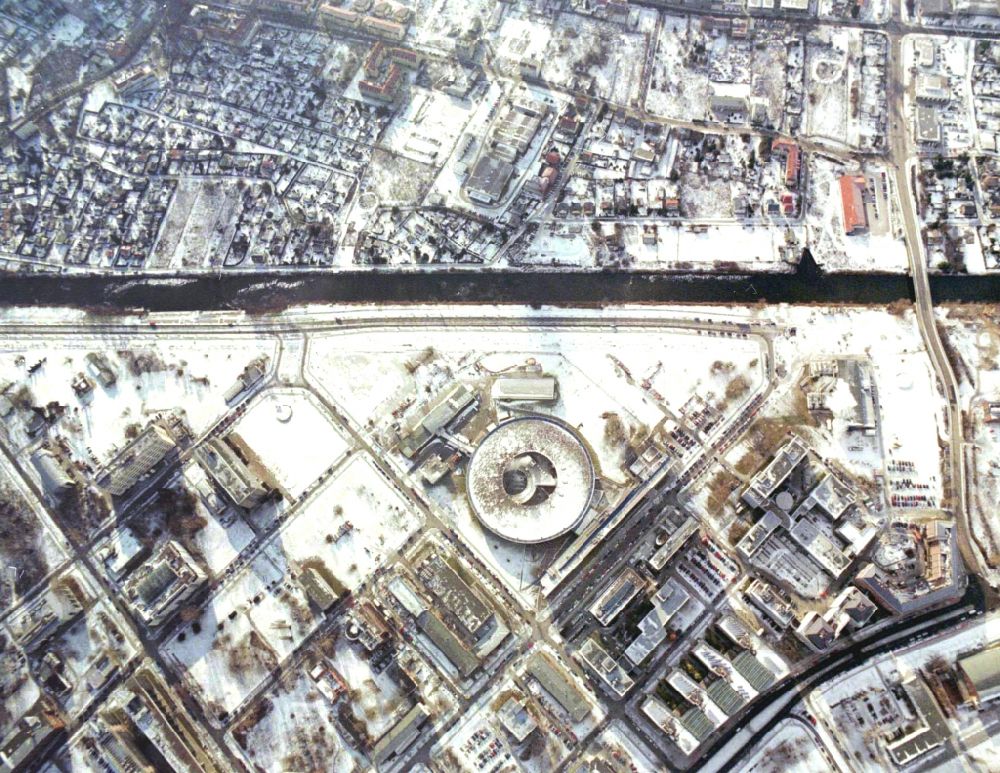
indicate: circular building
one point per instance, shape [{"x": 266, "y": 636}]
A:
[{"x": 530, "y": 480}]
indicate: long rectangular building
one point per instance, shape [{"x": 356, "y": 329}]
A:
[
  {"x": 137, "y": 458},
  {"x": 560, "y": 685}
]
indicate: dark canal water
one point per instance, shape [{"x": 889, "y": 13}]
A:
[{"x": 261, "y": 293}]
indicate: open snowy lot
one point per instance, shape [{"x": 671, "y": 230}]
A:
[
  {"x": 275, "y": 428},
  {"x": 792, "y": 747},
  {"x": 828, "y": 69},
  {"x": 298, "y": 732},
  {"x": 599, "y": 370},
  {"x": 904, "y": 383},
  {"x": 676, "y": 89},
  {"x": 429, "y": 126},
  {"x": 357, "y": 500},
  {"x": 591, "y": 50},
  {"x": 154, "y": 375}
]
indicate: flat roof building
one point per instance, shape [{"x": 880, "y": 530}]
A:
[
  {"x": 617, "y": 596},
  {"x": 158, "y": 587},
  {"x": 136, "y": 459},
  {"x": 488, "y": 180},
  {"x": 400, "y": 737},
  {"x": 461, "y": 657},
  {"x": 605, "y": 667},
  {"x": 317, "y": 589},
  {"x": 535, "y": 389},
  {"x": 231, "y": 473},
  {"x": 928, "y": 125},
  {"x": 853, "y": 204},
  {"x": 981, "y": 672},
  {"x": 560, "y": 685}
]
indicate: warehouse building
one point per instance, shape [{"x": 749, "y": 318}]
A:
[
  {"x": 453, "y": 648},
  {"x": 981, "y": 673},
  {"x": 489, "y": 178}
]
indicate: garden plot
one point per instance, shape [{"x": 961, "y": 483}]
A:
[
  {"x": 828, "y": 68},
  {"x": 676, "y": 90},
  {"x": 297, "y": 732},
  {"x": 611, "y": 57},
  {"x": 379, "y": 519},
  {"x": 153, "y": 377},
  {"x": 292, "y": 436}
]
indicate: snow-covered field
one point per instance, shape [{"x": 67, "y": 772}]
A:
[
  {"x": 903, "y": 379},
  {"x": 291, "y": 434},
  {"x": 676, "y": 90},
  {"x": 642, "y": 375},
  {"x": 380, "y": 518},
  {"x": 190, "y": 374},
  {"x": 298, "y": 733},
  {"x": 791, "y": 748},
  {"x": 429, "y": 126},
  {"x": 610, "y": 56}
]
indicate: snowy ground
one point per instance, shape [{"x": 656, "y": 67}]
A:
[
  {"x": 791, "y": 748},
  {"x": 879, "y": 250},
  {"x": 676, "y": 90},
  {"x": 187, "y": 373},
  {"x": 223, "y": 661},
  {"x": 610, "y": 56},
  {"x": 377, "y": 701},
  {"x": 974, "y": 334},
  {"x": 644, "y": 376},
  {"x": 903, "y": 378},
  {"x": 827, "y": 82},
  {"x": 298, "y": 733},
  {"x": 274, "y": 427},
  {"x": 428, "y": 127},
  {"x": 358, "y": 494}
]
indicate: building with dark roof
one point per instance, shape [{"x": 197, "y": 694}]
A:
[
  {"x": 158, "y": 587},
  {"x": 402, "y": 735},
  {"x": 231, "y": 473},
  {"x": 560, "y": 685},
  {"x": 136, "y": 459},
  {"x": 751, "y": 669},
  {"x": 453, "y": 648},
  {"x": 488, "y": 180}
]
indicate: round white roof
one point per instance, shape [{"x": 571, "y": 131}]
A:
[{"x": 530, "y": 480}]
